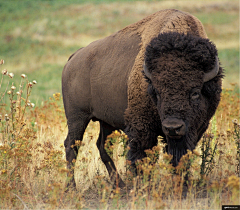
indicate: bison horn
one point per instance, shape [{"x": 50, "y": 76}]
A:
[
  {"x": 146, "y": 72},
  {"x": 210, "y": 75}
]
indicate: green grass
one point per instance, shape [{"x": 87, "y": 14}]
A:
[
  {"x": 230, "y": 62},
  {"x": 48, "y": 82},
  {"x": 37, "y": 37},
  {"x": 218, "y": 18}
]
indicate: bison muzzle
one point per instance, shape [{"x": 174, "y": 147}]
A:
[{"x": 159, "y": 76}]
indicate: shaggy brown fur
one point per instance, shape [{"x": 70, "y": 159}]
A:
[
  {"x": 104, "y": 80},
  {"x": 177, "y": 63},
  {"x": 139, "y": 121}
]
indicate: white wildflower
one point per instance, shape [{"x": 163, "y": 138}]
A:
[
  {"x": 13, "y": 87},
  {"x": 23, "y": 75},
  {"x": 11, "y": 75},
  {"x": 6, "y": 117},
  {"x": 4, "y": 72}
]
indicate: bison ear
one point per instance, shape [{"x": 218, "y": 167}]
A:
[
  {"x": 213, "y": 73},
  {"x": 146, "y": 72}
]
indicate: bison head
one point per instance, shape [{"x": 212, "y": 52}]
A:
[{"x": 184, "y": 79}]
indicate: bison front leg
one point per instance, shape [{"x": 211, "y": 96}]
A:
[{"x": 139, "y": 141}]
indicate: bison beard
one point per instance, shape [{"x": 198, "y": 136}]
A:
[{"x": 178, "y": 148}]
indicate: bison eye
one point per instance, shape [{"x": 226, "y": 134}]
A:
[{"x": 195, "y": 94}]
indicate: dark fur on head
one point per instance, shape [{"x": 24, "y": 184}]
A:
[
  {"x": 194, "y": 49},
  {"x": 177, "y": 64},
  {"x": 198, "y": 51}
]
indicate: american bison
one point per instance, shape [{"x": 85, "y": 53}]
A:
[{"x": 159, "y": 76}]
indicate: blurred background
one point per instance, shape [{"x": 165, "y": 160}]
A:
[{"x": 37, "y": 37}]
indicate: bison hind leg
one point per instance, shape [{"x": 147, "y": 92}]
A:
[
  {"x": 105, "y": 130},
  {"x": 76, "y": 128}
]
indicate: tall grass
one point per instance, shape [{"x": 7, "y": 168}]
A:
[{"x": 33, "y": 168}]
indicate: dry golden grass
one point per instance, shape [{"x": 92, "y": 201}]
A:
[{"x": 33, "y": 167}]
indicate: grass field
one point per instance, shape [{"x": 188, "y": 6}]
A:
[{"x": 36, "y": 39}]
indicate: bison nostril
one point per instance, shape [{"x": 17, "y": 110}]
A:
[
  {"x": 178, "y": 129},
  {"x": 174, "y": 127}
]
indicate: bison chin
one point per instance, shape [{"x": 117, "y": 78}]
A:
[{"x": 177, "y": 147}]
